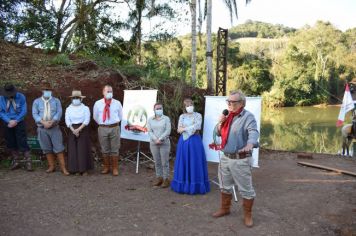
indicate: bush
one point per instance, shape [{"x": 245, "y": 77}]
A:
[{"x": 61, "y": 59}]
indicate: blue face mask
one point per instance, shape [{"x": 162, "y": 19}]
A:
[
  {"x": 76, "y": 102},
  {"x": 108, "y": 95},
  {"x": 159, "y": 112},
  {"x": 47, "y": 94}
]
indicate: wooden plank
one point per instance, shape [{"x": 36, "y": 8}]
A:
[{"x": 327, "y": 168}]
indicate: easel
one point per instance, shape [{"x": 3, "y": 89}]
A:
[{"x": 138, "y": 152}]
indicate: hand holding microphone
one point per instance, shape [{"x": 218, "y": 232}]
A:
[{"x": 223, "y": 116}]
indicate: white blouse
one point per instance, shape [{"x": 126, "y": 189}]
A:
[
  {"x": 77, "y": 115},
  {"x": 191, "y": 123}
]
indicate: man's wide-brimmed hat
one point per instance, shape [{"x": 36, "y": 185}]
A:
[
  {"x": 77, "y": 94},
  {"x": 9, "y": 90}
]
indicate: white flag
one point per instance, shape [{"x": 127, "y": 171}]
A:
[{"x": 347, "y": 105}]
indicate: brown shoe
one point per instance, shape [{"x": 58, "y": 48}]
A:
[
  {"x": 51, "y": 163},
  {"x": 225, "y": 205},
  {"x": 158, "y": 181},
  {"x": 106, "y": 165},
  {"x": 28, "y": 159},
  {"x": 115, "y": 165},
  {"x": 62, "y": 164},
  {"x": 247, "y": 205},
  {"x": 166, "y": 183}
]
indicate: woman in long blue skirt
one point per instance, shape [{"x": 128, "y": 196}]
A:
[{"x": 190, "y": 167}]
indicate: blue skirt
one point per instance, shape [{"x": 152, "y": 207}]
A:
[{"x": 190, "y": 167}]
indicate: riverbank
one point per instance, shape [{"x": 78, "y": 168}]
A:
[{"x": 291, "y": 200}]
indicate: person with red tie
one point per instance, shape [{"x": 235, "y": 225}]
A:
[{"x": 107, "y": 113}]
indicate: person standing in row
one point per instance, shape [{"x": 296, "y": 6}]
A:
[
  {"x": 107, "y": 113},
  {"x": 190, "y": 167},
  {"x": 77, "y": 118},
  {"x": 47, "y": 112},
  {"x": 13, "y": 109},
  {"x": 159, "y": 129},
  {"x": 239, "y": 135}
]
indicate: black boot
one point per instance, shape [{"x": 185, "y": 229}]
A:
[
  {"x": 28, "y": 161},
  {"x": 14, "y": 163}
]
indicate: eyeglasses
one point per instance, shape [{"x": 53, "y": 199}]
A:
[{"x": 230, "y": 102}]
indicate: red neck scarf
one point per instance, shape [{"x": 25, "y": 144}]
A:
[
  {"x": 106, "y": 113},
  {"x": 225, "y": 126}
]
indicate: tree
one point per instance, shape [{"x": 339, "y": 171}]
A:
[{"x": 232, "y": 6}]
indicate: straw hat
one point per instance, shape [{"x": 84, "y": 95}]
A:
[{"x": 77, "y": 94}]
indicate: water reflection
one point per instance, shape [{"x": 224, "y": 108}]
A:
[{"x": 310, "y": 129}]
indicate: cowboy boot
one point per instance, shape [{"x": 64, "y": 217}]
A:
[
  {"x": 106, "y": 168},
  {"x": 247, "y": 205},
  {"x": 51, "y": 163},
  {"x": 158, "y": 181},
  {"x": 62, "y": 164},
  {"x": 28, "y": 161},
  {"x": 14, "y": 162},
  {"x": 115, "y": 164},
  {"x": 166, "y": 183},
  {"x": 225, "y": 205}
]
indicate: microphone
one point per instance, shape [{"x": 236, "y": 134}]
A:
[{"x": 225, "y": 112}]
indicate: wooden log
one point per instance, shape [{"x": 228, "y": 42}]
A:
[
  {"x": 345, "y": 172},
  {"x": 302, "y": 155}
]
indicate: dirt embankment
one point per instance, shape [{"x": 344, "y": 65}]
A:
[{"x": 28, "y": 68}]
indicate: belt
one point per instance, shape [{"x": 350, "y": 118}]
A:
[
  {"x": 237, "y": 155},
  {"x": 110, "y": 126}
]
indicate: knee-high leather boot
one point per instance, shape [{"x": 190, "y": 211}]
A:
[
  {"x": 115, "y": 165},
  {"x": 106, "y": 162},
  {"x": 247, "y": 205},
  {"x": 225, "y": 205},
  {"x": 51, "y": 162},
  {"x": 62, "y": 164}
]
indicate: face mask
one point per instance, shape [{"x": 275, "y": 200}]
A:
[
  {"x": 76, "y": 102},
  {"x": 108, "y": 95},
  {"x": 47, "y": 94},
  {"x": 159, "y": 112},
  {"x": 190, "y": 109}
]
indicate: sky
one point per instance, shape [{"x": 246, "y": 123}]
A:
[{"x": 292, "y": 13}]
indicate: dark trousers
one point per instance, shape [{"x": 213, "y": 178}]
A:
[{"x": 16, "y": 137}]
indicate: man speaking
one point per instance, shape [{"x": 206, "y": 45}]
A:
[{"x": 239, "y": 135}]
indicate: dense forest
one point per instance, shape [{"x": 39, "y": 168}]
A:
[{"x": 288, "y": 67}]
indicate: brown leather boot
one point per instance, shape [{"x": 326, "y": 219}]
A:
[
  {"x": 247, "y": 205},
  {"x": 51, "y": 163},
  {"x": 106, "y": 162},
  {"x": 166, "y": 183},
  {"x": 158, "y": 181},
  {"x": 225, "y": 205},
  {"x": 14, "y": 163},
  {"x": 62, "y": 164},
  {"x": 115, "y": 165},
  {"x": 28, "y": 159}
]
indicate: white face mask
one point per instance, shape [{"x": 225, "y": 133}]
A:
[
  {"x": 190, "y": 109},
  {"x": 109, "y": 95},
  {"x": 76, "y": 102},
  {"x": 47, "y": 94},
  {"x": 159, "y": 112}
]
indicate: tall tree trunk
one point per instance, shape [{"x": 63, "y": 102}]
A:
[
  {"x": 60, "y": 16},
  {"x": 139, "y": 9},
  {"x": 209, "y": 51},
  {"x": 193, "y": 11}
]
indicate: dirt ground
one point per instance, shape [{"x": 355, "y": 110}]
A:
[{"x": 291, "y": 200}]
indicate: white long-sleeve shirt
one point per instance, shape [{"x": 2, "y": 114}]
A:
[
  {"x": 115, "y": 112},
  {"x": 77, "y": 115}
]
